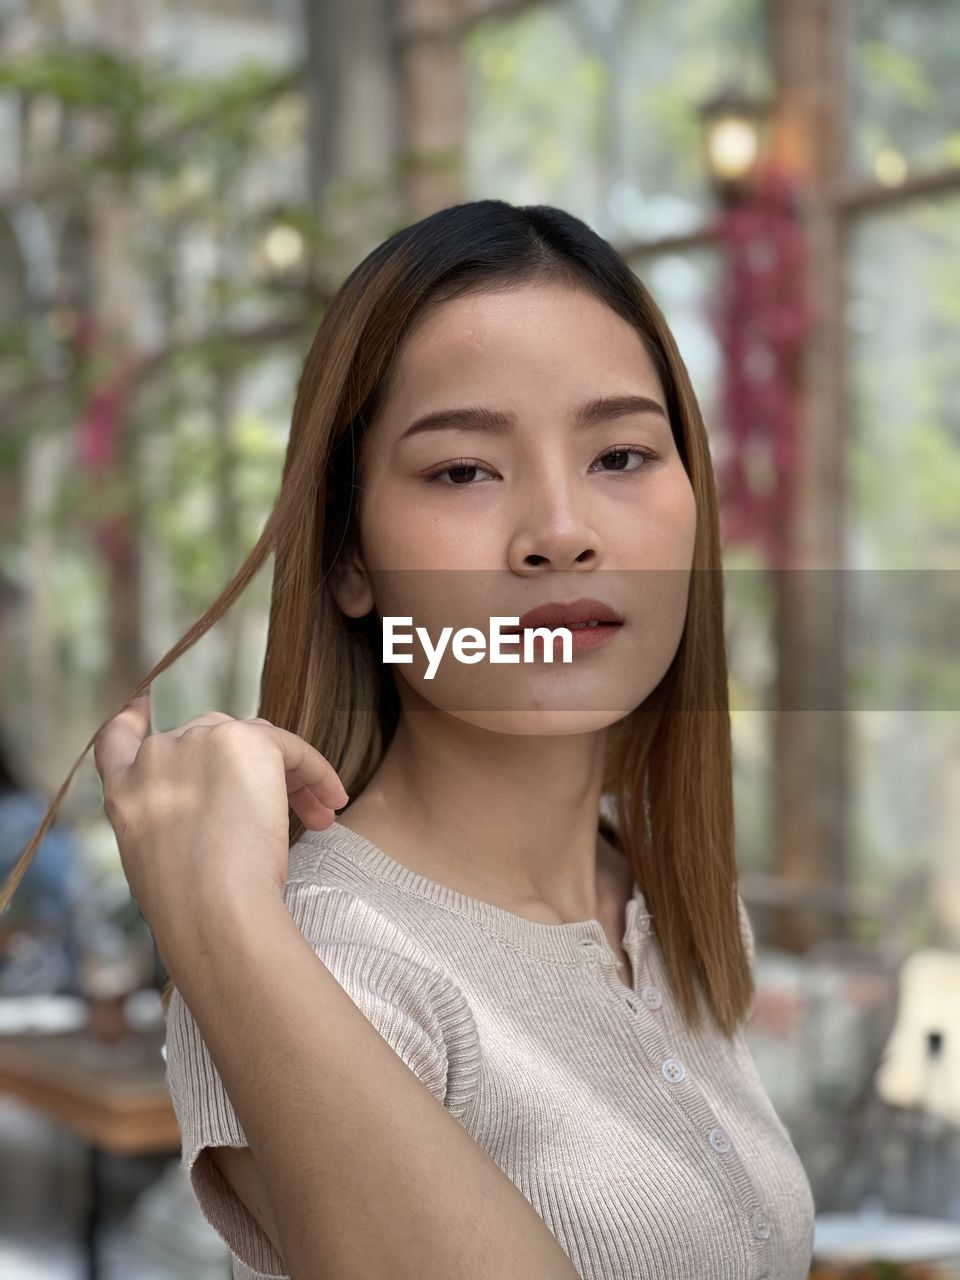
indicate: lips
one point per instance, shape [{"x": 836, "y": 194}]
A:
[{"x": 568, "y": 614}]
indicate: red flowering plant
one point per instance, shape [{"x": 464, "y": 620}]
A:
[{"x": 762, "y": 315}]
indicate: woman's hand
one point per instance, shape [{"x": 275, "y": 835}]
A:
[{"x": 203, "y": 808}]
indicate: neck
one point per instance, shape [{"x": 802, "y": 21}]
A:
[{"x": 514, "y": 816}]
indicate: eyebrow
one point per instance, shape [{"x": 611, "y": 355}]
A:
[{"x": 496, "y": 422}]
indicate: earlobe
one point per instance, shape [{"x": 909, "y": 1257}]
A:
[{"x": 351, "y": 588}]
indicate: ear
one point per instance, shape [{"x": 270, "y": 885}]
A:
[{"x": 351, "y": 585}]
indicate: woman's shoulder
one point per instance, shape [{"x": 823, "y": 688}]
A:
[{"x": 336, "y": 903}]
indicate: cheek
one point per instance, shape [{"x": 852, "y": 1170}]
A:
[
  {"x": 679, "y": 518},
  {"x": 661, "y": 529},
  {"x": 402, "y": 530},
  {"x": 414, "y": 541},
  {"x": 415, "y": 563}
]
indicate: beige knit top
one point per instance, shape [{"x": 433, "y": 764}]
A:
[{"x": 649, "y": 1151}]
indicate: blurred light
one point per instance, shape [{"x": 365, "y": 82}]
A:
[
  {"x": 733, "y": 125},
  {"x": 889, "y": 167},
  {"x": 733, "y": 146},
  {"x": 283, "y": 247}
]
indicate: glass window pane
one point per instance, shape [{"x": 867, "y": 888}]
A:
[
  {"x": 595, "y": 107},
  {"x": 906, "y": 91},
  {"x": 904, "y": 549},
  {"x": 904, "y": 317}
]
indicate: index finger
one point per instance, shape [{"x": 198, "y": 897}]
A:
[
  {"x": 116, "y": 745},
  {"x": 306, "y": 767}
]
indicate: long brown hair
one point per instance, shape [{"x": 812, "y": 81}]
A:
[{"x": 668, "y": 770}]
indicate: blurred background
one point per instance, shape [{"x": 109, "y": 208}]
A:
[{"x": 182, "y": 186}]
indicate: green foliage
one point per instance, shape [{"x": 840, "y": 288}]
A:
[
  {"x": 182, "y": 515},
  {"x": 894, "y": 70},
  {"x": 102, "y": 80},
  {"x": 180, "y": 152},
  {"x": 147, "y": 104},
  {"x": 92, "y": 77}
]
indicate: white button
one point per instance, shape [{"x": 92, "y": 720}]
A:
[
  {"x": 673, "y": 1070},
  {"x": 760, "y": 1225},
  {"x": 719, "y": 1140},
  {"x": 651, "y": 997}
]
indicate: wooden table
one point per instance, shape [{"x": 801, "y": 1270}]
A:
[{"x": 115, "y": 1097}]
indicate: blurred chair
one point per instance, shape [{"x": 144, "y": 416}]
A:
[
  {"x": 920, "y": 1065},
  {"x": 822, "y": 1023},
  {"x": 838, "y": 1000}
]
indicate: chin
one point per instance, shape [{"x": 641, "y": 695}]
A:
[
  {"x": 540, "y": 722},
  {"x": 549, "y": 703}
]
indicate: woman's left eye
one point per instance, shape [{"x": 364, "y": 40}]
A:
[{"x": 622, "y": 452}]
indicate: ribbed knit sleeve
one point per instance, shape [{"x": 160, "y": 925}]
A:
[{"x": 415, "y": 1007}]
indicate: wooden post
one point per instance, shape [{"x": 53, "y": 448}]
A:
[
  {"x": 810, "y": 47},
  {"x": 432, "y": 110},
  {"x": 429, "y": 38},
  {"x": 351, "y": 86}
]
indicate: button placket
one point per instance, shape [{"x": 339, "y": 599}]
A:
[
  {"x": 605, "y": 956},
  {"x": 674, "y": 1072},
  {"x": 625, "y": 993}
]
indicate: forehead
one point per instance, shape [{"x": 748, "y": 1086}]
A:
[{"x": 534, "y": 336}]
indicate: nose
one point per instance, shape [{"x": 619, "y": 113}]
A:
[{"x": 555, "y": 530}]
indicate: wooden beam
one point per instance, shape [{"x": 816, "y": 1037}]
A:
[
  {"x": 703, "y": 237},
  {"x": 849, "y": 200},
  {"x": 856, "y": 199}
]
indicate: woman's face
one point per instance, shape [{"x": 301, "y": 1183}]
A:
[{"x": 526, "y": 501}]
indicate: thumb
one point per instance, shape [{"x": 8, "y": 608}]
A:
[{"x": 116, "y": 745}]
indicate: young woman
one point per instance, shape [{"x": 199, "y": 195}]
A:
[{"x": 531, "y": 896}]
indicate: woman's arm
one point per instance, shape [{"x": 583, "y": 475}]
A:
[{"x": 366, "y": 1173}]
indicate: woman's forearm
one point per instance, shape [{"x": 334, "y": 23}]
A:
[{"x": 368, "y": 1175}]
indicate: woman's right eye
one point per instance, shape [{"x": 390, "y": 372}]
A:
[{"x": 459, "y": 466}]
